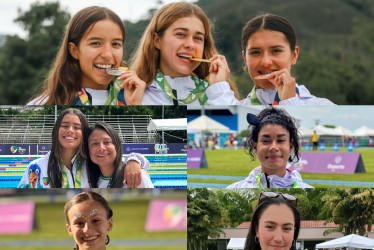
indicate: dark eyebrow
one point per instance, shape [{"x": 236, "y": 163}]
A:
[
  {"x": 98, "y": 38},
  {"x": 272, "y": 47},
  {"x": 185, "y": 29},
  {"x": 273, "y": 223},
  {"x": 69, "y": 123},
  {"x": 268, "y": 136}
]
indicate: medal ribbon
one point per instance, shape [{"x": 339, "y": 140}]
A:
[
  {"x": 256, "y": 101},
  {"x": 258, "y": 179},
  {"x": 106, "y": 179},
  {"x": 116, "y": 95},
  {"x": 198, "y": 93},
  {"x": 78, "y": 175}
]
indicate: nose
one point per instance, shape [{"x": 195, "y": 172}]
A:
[
  {"x": 273, "y": 146},
  {"x": 86, "y": 227},
  {"x": 106, "y": 51},
  {"x": 266, "y": 60},
  {"x": 101, "y": 146},
  {"x": 189, "y": 42},
  {"x": 278, "y": 236}
]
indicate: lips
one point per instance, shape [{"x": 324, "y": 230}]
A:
[
  {"x": 69, "y": 138},
  {"x": 273, "y": 157},
  {"x": 89, "y": 239},
  {"x": 185, "y": 57}
]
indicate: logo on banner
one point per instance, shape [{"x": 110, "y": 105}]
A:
[
  {"x": 173, "y": 214},
  {"x": 336, "y": 166},
  {"x": 301, "y": 164},
  {"x": 161, "y": 148},
  {"x": 14, "y": 149}
]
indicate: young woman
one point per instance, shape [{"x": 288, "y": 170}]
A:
[
  {"x": 275, "y": 223},
  {"x": 177, "y": 32},
  {"x": 65, "y": 165},
  {"x": 275, "y": 141},
  {"x": 105, "y": 165},
  {"x": 89, "y": 219},
  {"x": 269, "y": 51},
  {"x": 93, "y": 42}
]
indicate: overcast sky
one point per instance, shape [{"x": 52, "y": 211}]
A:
[{"x": 131, "y": 10}]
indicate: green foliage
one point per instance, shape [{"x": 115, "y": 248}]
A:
[
  {"x": 24, "y": 62},
  {"x": 336, "y": 40},
  {"x": 204, "y": 218},
  {"x": 351, "y": 209}
]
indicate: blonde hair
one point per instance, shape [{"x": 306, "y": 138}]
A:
[
  {"x": 64, "y": 78},
  {"x": 146, "y": 59}
]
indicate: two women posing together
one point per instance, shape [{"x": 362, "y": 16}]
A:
[
  {"x": 162, "y": 72},
  {"x": 85, "y": 157}
]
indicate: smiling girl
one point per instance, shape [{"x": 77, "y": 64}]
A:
[
  {"x": 105, "y": 164},
  {"x": 275, "y": 223},
  {"x": 89, "y": 219},
  {"x": 269, "y": 51},
  {"x": 275, "y": 141},
  {"x": 177, "y": 32},
  {"x": 65, "y": 165},
  {"x": 93, "y": 42}
]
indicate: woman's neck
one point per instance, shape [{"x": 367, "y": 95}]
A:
[
  {"x": 107, "y": 171},
  {"x": 67, "y": 156}
]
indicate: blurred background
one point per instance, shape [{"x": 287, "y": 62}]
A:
[
  {"x": 41, "y": 225},
  {"x": 336, "y": 40}
]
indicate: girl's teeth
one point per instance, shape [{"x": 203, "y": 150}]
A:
[
  {"x": 103, "y": 66},
  {"x": 185, "y": 56}
]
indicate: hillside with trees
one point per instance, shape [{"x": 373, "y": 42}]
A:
[{"x": 336, "y": 40}]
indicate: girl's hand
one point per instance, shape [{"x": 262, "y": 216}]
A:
[
  {"x": 134, "y": 87},
  {"x": 219, "y": 70},
  {"x": 283, "y": 81},
  {"x": 133, "y": 174}
]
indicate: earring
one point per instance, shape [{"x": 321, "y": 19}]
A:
[
  {"x": 256, "y": 239},
  {"x": 107, "y": 240}
]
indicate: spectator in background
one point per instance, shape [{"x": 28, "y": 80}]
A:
[{"x": 315, "y": 140}]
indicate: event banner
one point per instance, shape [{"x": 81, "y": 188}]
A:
[
  {"x": 42, "y": 149},
  {"x": 329, "y": 162},
  {"x": 16, "y": 217},
  {"x": 196, "y": 158},
  {"x": 167, "y": 215}
]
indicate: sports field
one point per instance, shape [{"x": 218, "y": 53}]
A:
[
  {"x": 128, "y": 227},
  {"x": 237, "y": 163}
]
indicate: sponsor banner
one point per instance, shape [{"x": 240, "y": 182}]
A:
[
  {"x": 196, "y": 158},
  {"x": 42, "y": 149},
  {"x": 329, "y": 162},
  {"x": 15, "y": 149},
  {"x": 16, "y": 218},
  {"x": 167, "y": 215}
]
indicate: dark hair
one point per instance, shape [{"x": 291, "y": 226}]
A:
[
  {"x": 85, "y": 196},
  {"x": 263, "y": 204},
  {"x": 94, "y": 169},
  {"x": 65, "y": 75},
  {"x": 269, "y": 22},
  {"x": 55, "y": 170},
  {"x": 274, "y": 116}
]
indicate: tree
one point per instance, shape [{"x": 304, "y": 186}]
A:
[
  {"x": 24, "y": 62},
  {"x": 351, "y": 210},
  {"x": 204, "y": 218}
]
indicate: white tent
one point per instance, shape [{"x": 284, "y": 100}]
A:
[
  {"x": 363, "y": 131},
  {"x": 236, "y": 244},
  {"x": 204, "y": 123},
  {"x": 305, "y": 132},
  {"x": 352, "y": 240},
  {"x": 167, "y": 124}
]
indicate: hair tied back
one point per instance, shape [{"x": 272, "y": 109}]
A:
[{"x": 252, "y": 119}]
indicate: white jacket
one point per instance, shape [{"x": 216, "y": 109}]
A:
[
  {"x": 287, "y": 181},
  {"x": 154, "y": 95},
  {"x": 39, "y": 168}
]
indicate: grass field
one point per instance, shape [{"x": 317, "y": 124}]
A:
[
  {"x": 228, "y": 162},
  {"x": 128, "y": 224}
]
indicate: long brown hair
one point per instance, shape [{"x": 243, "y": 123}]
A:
[
  {"x": 54, "y": 170},
  {"x": 93, "y": 169},
  {"x": 146, "y": 59},
  {"x": 64, "y": 78}
]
